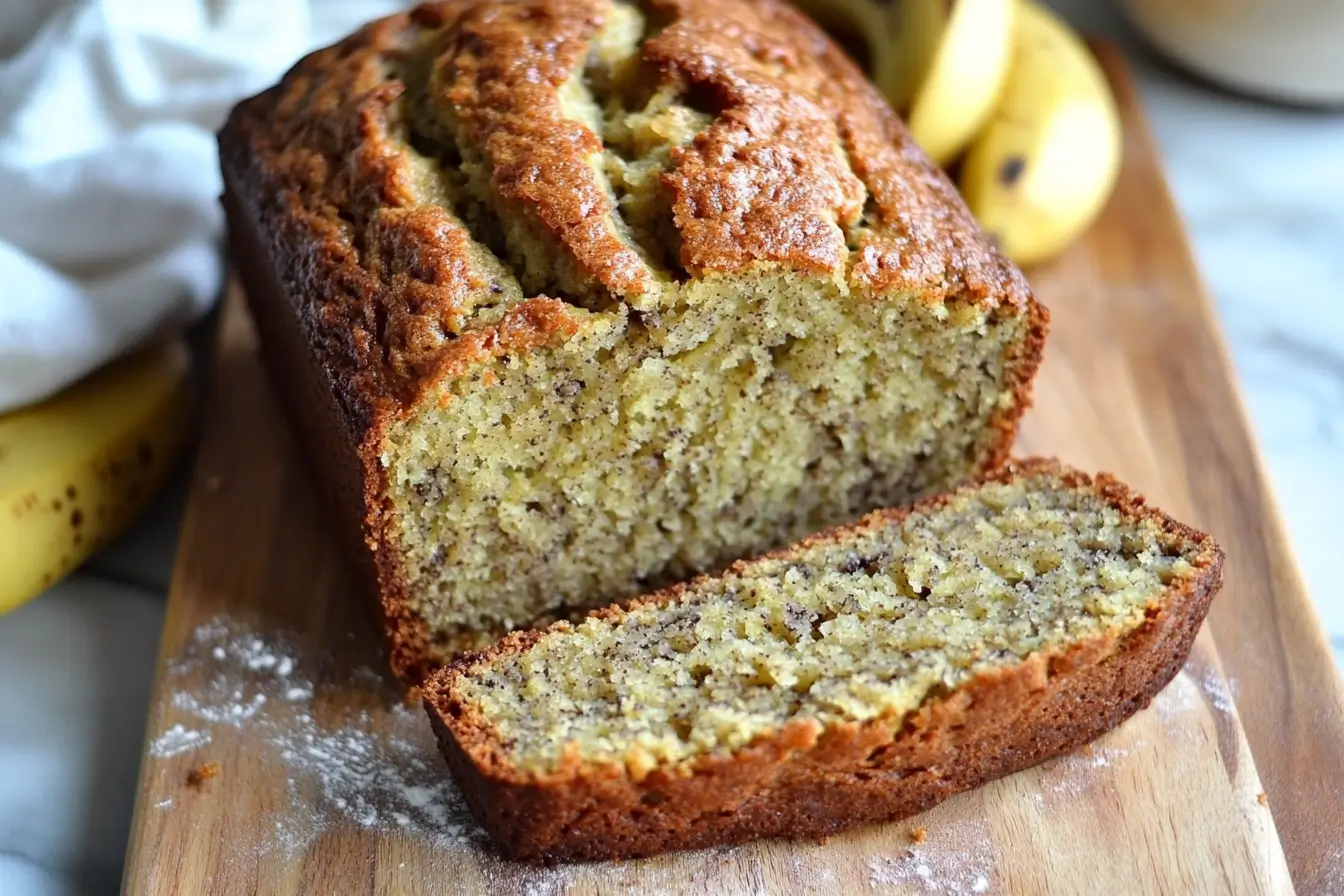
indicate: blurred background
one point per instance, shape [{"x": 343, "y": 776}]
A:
[{"x": 109, "y": 237}]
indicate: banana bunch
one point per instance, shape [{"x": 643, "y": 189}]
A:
[
  {"x": 1006, "y": 88},
  {"x": 78, "y": 468}
]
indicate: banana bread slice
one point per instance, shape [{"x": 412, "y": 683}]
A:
[
  {"x": 571, "y": 299},
  {"x": 863, "y": 674}
]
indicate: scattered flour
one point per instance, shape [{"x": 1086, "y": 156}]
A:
[
  {"x": 378, "y": 768},
  {"x": 1178, "y": 699},
  {"x": 1219, "y": 695},
  {"x": 1082, "y": 771},
  {"x": 550, "y": 885},
  {"x": 809, "y": 871},
  {"x": 955, "y": 859},
  {"x": 1181, "y": 703},
  {"x": 232, "y": 710},
  {"x": 176, "y": 740},
  {"x": 382, "y": 776},
  {"x": 1101, "y": 757}
]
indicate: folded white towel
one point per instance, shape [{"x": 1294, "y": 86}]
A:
[{"x": 109, "y": 219}]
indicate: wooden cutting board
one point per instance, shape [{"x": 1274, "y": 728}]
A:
[{"x": 325, "y": 782}]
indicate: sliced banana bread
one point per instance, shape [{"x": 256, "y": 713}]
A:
[
  {"x": 863, "y": 674},
  {"x": 570, "y": 299}
]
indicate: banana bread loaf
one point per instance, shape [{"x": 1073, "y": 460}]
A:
[
  {"x": 570, "y": 299},
  {"x": 863, "y": 674}
]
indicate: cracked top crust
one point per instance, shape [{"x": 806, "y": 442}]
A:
[{"x": 476, "y": 176}]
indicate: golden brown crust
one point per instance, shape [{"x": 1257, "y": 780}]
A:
[
  {"x": 807, "y": 780},
  {"x": 380, "y": 291},
  {"x": 768, "y": 180},
  {"x": 353, "y": 483},
  {"x": 800, "y": 142},
  {"x": 509, "y": 61}
]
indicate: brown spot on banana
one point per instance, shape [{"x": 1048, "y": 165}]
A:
[{"x": 1012, "y": 170}]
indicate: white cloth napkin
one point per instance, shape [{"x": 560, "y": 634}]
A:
[
  {"x": 109, "y": 232},
  {"x": 109, "y": 225}
]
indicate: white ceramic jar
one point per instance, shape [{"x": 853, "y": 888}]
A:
[{"x": 1291, "y": 50}]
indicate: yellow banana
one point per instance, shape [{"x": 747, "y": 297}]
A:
[
  {"x": 944, "y": 67},
  {"x": 1047, "y": 161},
  {"x": 76, "y": 469}
]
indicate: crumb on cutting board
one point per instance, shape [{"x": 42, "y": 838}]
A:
[
  {"x": 1262, "y": 798},
  {"x": 201, "y": 774},
  {"x": 919, "y": 835}
]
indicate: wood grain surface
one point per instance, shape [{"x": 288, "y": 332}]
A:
[{"x": 1186, "y": 797}]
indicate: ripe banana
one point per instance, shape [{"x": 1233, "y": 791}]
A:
[
  {"x": 1047, "y": 161},
  {"x": 944, "y": 66},
  {"x": 78, "y": 468}
]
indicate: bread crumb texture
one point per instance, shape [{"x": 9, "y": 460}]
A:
[
  {"x": 865, "y": 627},
  {"x": 199, "y": 775},
  {"x": 633, "y": 456},
  {"x": 710, "y": 415},
  {"x": 628, "y": 290}
]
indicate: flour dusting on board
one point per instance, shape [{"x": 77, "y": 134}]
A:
[
  {"x": 381, "y": 779},
  {"x": 1086, "y": 770},
  {"x": 176, "y": 740},
  {"x": 1178, "y": 699},
  {"x": 822, "y": 876},
  {"x": 1220, "y": 695},
  {"x": 1191, "y": 693},
  {"x": 954, "y": 858},
  {"x": 376, "y": 768}
]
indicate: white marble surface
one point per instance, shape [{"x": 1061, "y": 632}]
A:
[{"x": 1262, "y": 192}]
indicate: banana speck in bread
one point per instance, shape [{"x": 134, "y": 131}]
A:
[
  {"x": 571, "y": 299},
  {"x": 863, "y": 674}
]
